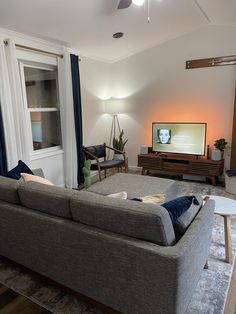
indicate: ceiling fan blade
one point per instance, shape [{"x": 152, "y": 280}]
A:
[{"x": 124, "y": 4}]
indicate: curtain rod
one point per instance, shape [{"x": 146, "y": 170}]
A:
[{"x": 36, "y": 49}]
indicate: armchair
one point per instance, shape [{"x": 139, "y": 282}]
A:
[{"x": 97, "y": 152}]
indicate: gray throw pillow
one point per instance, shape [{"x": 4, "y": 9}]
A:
[{"x": 184, "y": 221}]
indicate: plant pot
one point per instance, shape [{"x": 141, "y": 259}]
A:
[
  {"x": 216, "y": 154},
  {"x": 118, "y": 157},
  {"x": 230, "y": 184}
]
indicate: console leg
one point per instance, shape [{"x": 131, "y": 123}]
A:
[
  {"x": 143, "y": 171},
  {"x": 228, "y": 240},
  {"x": 213, "y": 180}
]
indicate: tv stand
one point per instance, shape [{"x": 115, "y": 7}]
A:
[
  {"x": 161, "y": 155},
  {"x": 181, "y": 164}
]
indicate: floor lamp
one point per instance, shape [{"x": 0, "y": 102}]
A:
[
  {"x": 114, "y": 107},
  {"x": 115, "y": 126}
]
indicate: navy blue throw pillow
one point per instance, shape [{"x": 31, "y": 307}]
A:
[
  {"x": 20, "y": 168},
  {"x": 178, "y": 206}
]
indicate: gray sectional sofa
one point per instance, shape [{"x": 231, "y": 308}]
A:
[{"x": 120, "y": 253}]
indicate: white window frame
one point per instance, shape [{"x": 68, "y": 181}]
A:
[{"x": 35, "y": 154}]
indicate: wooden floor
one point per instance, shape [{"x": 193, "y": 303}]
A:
[{"x": 12, "y": 303}]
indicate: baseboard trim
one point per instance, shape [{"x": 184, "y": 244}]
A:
[{"x": 135, "y": 168}]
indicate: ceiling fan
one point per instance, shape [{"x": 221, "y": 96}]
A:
[{"x": 124, "y": 4}]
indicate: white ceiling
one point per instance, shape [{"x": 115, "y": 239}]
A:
[{"x": 88, "y": 25}]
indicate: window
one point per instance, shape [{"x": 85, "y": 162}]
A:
[{"x": 42, "y": 106}]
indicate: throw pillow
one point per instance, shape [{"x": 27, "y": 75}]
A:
[
  {"x": 20, "y": 168},
  {"x": 121, "y": 195},
  {"x": 178, "y": 206},
  {"x": 184, "y": 221},
  {"x": 153, "y": 199},
  {"x": 29, "y": 177}
]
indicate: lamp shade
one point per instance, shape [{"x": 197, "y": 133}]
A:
[
  {"x": 138, "y": 2},
  {"x": 114, "y": 106}
]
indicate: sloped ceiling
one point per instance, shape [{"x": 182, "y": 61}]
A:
[{"x": 88, "y": 25}]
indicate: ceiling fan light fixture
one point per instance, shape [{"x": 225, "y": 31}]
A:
[{"x": 138, "y": 2}]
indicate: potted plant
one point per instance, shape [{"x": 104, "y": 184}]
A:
[
  {"x": 119, "y": 144},
  {"x": 220, "y": 145}
]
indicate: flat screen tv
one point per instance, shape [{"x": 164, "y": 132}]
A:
[{"x": 179, "y": 138}]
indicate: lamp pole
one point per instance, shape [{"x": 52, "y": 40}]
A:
[{"x": 114, "y": 126}]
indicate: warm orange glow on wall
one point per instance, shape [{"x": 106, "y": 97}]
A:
[{"x": 217, "y": 127}]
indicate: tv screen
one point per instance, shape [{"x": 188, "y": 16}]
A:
[{"x": 180, "y": 138}]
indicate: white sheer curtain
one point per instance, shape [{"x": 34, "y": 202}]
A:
[
  {"x": 17, "y": 103},
  {"x": 67, "y": 116},
  {"x": 12, "y": 105},
  {"x": 7, "y": 110}
]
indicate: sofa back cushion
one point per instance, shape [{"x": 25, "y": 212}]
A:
[
  {"x": 135, "y": 219},
  {"x": 9, "y": 190},
  {"x": 49, "y": 199}
]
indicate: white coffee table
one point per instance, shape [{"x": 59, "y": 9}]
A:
[{"x": 226, "y": 208}]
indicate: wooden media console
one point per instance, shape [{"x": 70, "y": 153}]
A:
[{"x": 181, "y": 164}]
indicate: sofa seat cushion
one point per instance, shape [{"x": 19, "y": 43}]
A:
[
  {"x": 49, "y": 199},
  {"x": 134, "y": 219},
  {"x": 9, "y": 190},
  {"x": 135, "y": 186}
]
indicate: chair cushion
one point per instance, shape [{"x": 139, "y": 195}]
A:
[
  {"x": 134, "y": 219},
  {"x": 97, "y": 150},
  {"x": 9, "y": 190},
  {"x": 16, "y": 171},
  {"x": 49, "y": 199},
  {"x": 108, "y": 164}
]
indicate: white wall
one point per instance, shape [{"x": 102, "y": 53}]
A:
[
  {"x": 95, "y": 89},
  {"x": 156, "y": 87},
  {"x": 52, "y": 166}
]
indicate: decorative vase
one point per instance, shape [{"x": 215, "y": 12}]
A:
[
  {"x": 143, "y": 149},
  {"x": 118, "y": 157},
  {"x": 216, "y": 154}
]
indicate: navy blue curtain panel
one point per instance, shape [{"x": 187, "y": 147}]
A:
[
  {"x": 3, "y": 154},
  {"x": 78, "y": 114}
]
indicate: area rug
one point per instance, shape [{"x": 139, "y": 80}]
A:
[{"x": 209, "y": 297}]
